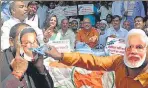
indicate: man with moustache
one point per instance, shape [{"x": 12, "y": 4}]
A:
[
  {"x": 88, "y": 34},
  {"x": 32, "y": 18},
  {"x": 67, "y": 33},
  {"x": 74, "y": 26},
  {"x": 126, "y": 25},
  {"x": 116, "y": 30},
  {"x": 139, "y": 22},
  {"x": 131, "y": 70},
  {"x": 22, "y": 68}
]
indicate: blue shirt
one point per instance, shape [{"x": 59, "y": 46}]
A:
[{"x": 5, "y": 12}]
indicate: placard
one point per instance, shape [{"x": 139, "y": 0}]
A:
[
  {"x": 61, "y": 45},
  {"x": 85, "y": 9},
  {"x": 115, "y": 46},
  {"x": 70, "y": 10}
]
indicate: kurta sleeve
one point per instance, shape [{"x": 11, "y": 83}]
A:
[{"x": 91, "y": 62}]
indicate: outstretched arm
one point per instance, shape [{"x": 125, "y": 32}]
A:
[{"x": 87, "y": 61}]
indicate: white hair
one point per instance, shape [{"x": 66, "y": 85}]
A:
[
  {"x": 142, "y": 34},
  {"x": 136, "y": 32},
  {"x": 104, "y": 21}
]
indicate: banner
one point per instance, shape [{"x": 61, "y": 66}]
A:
[
  {"x": 85, "y": 9},
  {"x": 61, "y": 12},
  {"x": 115, "y": 46},
  {"x": 61, "y": 45},
  {"x": 70, "y": 10},
  {"x": 66, "y": 10}
]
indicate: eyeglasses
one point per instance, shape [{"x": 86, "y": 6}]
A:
[
  {"x": 139, "y": 48},
  {"x": 29, "y": 43}
]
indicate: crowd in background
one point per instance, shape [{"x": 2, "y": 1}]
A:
[{"x": 107, "y": 15}]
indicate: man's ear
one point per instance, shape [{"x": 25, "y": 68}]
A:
[
  {"x": 12, "y": 11},
  {"x": 11, "y": 41}
]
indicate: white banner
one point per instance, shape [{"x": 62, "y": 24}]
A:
[
  {"x": 66, "y": 11},
  {"x": 61, "y": 45},
  {"x": 70, "y": 10},
  {"x": 85, "y": 9},
  {"x": 115, "y": 46}
]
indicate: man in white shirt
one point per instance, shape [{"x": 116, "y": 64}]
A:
[
  {"x": 116, "y": 30},
  {"x": 67, "y": 33},
  {"x": 32, "y": 18},
  {"x": 102, "y": 37},
  {"x": 18, "y": 11}
]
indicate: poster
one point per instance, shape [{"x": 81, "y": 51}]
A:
[
  {"x": 115, "y": 46},
  {"x": 85, "y": 9},
  {"x": 70, "y": 10},
  {"x": 61, "y": 45}
]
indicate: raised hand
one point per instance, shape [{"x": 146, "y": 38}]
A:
[
  {"x": 93, "y": 39},
  {"x": 48, "y": 33},
  {"x": 18, "y": 64}
]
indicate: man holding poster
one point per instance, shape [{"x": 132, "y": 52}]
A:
[
  {"x": 130, "y": 69},
  {"x": 67, "y": 33}
]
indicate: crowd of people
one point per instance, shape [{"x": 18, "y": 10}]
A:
[{"x": 30, "y": 24}]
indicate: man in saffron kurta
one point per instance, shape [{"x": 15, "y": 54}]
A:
[
  {"x": 131, "y": 70},
  {"x": 88, "y": 34}
]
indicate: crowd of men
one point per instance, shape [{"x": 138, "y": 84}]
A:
[{"x": 30, "y": 25}]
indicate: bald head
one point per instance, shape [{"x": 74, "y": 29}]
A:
[
  {"x": 86, "y": 20},
  {"x": 86, "y": 24}
]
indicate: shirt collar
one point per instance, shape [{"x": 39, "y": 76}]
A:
[
  {"x": 120, "y": 29},
  {"x": 143, "y": 77},
  {"x": 67, "y": 32},
  {"x": 17, "y": 20}
]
